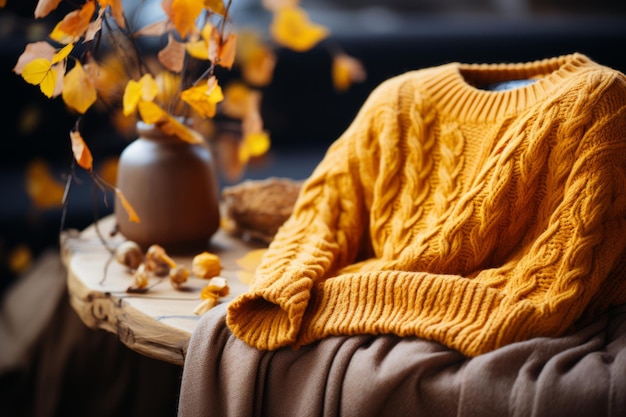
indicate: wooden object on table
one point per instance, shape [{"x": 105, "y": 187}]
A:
[
  {"x": 256, "y": 209},
  {"x": 159, "y": 322}
]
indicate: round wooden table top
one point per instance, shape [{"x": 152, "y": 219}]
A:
[{"x": 158, "y": 322}]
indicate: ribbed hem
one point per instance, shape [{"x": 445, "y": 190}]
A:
[
  {"x": 455, "y": 311},
  {"x": 452, "y": 89}
]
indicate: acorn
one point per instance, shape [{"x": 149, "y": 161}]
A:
[{"x": 129, "y": 254}]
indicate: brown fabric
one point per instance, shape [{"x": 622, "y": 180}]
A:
[{"x": 582, "y": 374}]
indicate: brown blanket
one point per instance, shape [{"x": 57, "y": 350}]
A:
[{"x": 582, "y": 374}]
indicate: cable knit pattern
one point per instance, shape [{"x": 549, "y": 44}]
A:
[{"x": 451, "y": 212}]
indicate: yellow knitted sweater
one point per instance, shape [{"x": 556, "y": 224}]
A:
[{"x": 470, "y": 217}]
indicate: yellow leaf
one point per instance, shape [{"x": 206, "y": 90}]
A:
[
  {"x": 171, "y": 126},
  {"x": 63, "y": 53},
  {"x": 236, "y": 98},
  {"x": 249, "y": 263},
  {"x": 149, "y": 87},
  {"x": 145, "y": 89},
  {"x": 151, "y": 113},
  {"x": 256, "y": 143},
  {"x": 168, "y": 86},
  {"x": 184, "y": 14},
  {"x": 255, "y": 58},
  {"x": 204, "y": 97},
  {"x": 81, "y": 152},
  {"x": 291, "y": 28},
  {"x": 44, "y": 190},
  {"x": 199, "y": 49},
  {"x": 216, "y": 6},
  {"x": 39, "y": 72},
  {"x": 132, "y": 214},
  {"x": 345, "y": 71},
  {"x": 78, "y": 91},
  {"x": 258, "y": 70},
  {"x": 32, "y": 51},
  {"x": 251, "y": 260}
]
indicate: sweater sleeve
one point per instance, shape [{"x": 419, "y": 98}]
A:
[{"x": 326, "y": 231}]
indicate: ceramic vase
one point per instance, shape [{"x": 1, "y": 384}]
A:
[{"x": 173, "y": 187}]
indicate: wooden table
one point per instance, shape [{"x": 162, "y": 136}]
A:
[{"x": 159, "y": 322}]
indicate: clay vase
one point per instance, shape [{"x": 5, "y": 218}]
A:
[{"x": 173, "y": 187}]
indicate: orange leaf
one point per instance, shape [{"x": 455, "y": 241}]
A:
[
  {"x": 236, "y": 96},
  {"x": 81, "y": 152},
  {"x": 78, "y": 91},
  {"x": 108, "y": 169},
  {"x": 345, "y": 71},
  {"x": 222, "y": 52},
  {"x": 132, "y": 214},
  {"x": 184, "y": 14},
  {"x": 20, "y": 257},
  {"x": 117, "y": 10},
  {"x": 44, "y": 7},
  {"x": 258, "y": 63},
  {"x": 173, "y": 55},
  {"x": 291, "y": 28},
  {"x": 44, "y": 190},
  {"x": 74, "y": 24}
]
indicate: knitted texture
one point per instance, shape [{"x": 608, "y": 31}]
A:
[{"x": 470, "y": 217}]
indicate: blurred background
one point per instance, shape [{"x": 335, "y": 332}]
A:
[{"x": 302, "y": 112}]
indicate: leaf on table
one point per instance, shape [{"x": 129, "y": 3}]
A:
[{"x": 248, "y": 264}]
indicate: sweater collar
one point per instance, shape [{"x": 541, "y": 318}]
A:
[{"x": 456, "y": 88}]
